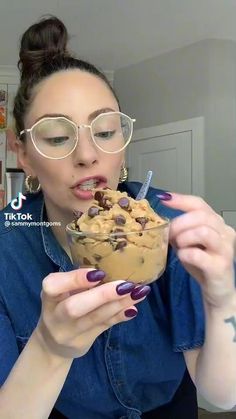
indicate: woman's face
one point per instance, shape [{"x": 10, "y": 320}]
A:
[{"x": 77, "y": 95}]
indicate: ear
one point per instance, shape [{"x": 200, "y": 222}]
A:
[
  {"x": 19, "y": 147},
  {"x": 11, "y": 140},
  {"x": 12, "y": 144}
]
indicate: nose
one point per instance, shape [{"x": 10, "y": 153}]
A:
[{"x": 86, "y": 152}]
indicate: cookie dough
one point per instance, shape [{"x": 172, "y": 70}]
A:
[{"x": 121, "y": 236}]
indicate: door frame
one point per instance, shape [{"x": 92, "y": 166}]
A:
[{"x": 196, "y": 126}]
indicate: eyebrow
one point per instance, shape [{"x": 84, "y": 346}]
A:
[
  {"x": 90, "y": 118},
  {"x": 99, "y": 111}
]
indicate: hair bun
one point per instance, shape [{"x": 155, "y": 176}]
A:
[{"x": 40, "y": 43}]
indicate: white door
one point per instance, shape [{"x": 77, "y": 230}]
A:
[{"x": 175, "y": 154}]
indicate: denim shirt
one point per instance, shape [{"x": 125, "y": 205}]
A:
[{"x": 131, "y": 368}]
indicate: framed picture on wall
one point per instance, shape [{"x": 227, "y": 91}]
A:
[
  {"x": 2, "y": 159},
  {"x": 3, "y": 117},
  {"x": 3, "y": 95},
  {"x": 3, "y": 106}
]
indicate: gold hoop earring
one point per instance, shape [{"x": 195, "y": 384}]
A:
[
  {"x": 123, "y": 174},
  {"x": 31, "y": 184}
]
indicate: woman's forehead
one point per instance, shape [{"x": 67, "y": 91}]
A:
[
  {"x": 71, "y": 92},
  {"x": 75, "y": 82}
]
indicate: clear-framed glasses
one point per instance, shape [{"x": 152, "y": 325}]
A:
[{"x": 57, "y": 137}]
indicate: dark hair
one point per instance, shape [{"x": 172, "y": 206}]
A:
[{"x": 43, "y": 51}]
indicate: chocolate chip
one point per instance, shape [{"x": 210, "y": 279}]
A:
[
  {"x": 97, "y": 257},
  {"x": 120, "y": 220},
  {"x": 77, "y": 227},
  {"x": 120, "y": 236},
  {"x": 118, "y": 230},
  {"x": 141, "y": 260},
  {"x": 120, "y": 245},
  {"x": 107, "y": 205},
  {"x": 102, "y": 202},
  {"x": 124, "y": 203},
  {"x": 98, "y": 195},
  {"x": 93, "y": 211},
  {"x": 142, "y": 220},
  {"x": 77, "y": 214},
  {"x": 86, "y": 261}
]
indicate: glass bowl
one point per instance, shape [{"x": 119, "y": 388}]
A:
[{"x": 137, "y": 256}]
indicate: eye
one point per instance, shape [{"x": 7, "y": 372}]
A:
[
  {"x": 105, "y": 135},
  {"x": 54, "y": 141}
]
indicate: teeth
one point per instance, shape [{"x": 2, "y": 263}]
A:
[
  {"x": 87, "y": 187},
  {"x": 89, "y": 184}
]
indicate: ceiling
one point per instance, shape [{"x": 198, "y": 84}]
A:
[{"x": 117, "y": 33}]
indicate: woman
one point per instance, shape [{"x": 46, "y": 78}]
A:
[{"x": 87, "y": 349}]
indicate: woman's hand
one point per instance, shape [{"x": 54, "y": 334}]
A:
[
  {"x": 75, "y": 311},
  {"x": 205, "y": 246}
]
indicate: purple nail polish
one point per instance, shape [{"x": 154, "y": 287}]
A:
[
  {"x": 166, "y": 196},
  {"x": 130, "y": 313},
  {"x": 125, "y": 288},
  {"x": 96, "y": 275},
  {"x": 140, "y": 292}
]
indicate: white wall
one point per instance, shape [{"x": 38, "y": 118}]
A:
[{"x": 198, "y": 80}]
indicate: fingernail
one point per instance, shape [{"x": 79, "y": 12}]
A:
[
  {"x": 140, "y": 292},
  {"x": 95, "y": 275},
  {"x": 166, "y": 196},
  {"x": 125, "y": 288},
  {"x": 130, "y": 313}
]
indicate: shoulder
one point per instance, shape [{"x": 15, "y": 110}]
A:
[{"x": 132, "y": 188}]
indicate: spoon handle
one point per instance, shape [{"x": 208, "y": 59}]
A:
[{"x": 145, "y": 186}]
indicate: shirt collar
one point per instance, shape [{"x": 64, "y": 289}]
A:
[{"x": 51, "y": 246}]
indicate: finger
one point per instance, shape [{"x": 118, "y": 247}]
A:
[
  {"x": 196, "y": 257},
  {"x": 106, "y": 314},
  {"x": 213, "y": 267},
  {"x": 118, "y": 317},
  {"x": 193, "y": 219},
  {"x": 87, "y": 301},
  {"x": 200, "y": 236},
  {"x": 89, "y": 336},
  {"x": 104, "y": 318},
  {"x": 56, "y": 284},
  {"x": 186, "y": 203}
]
